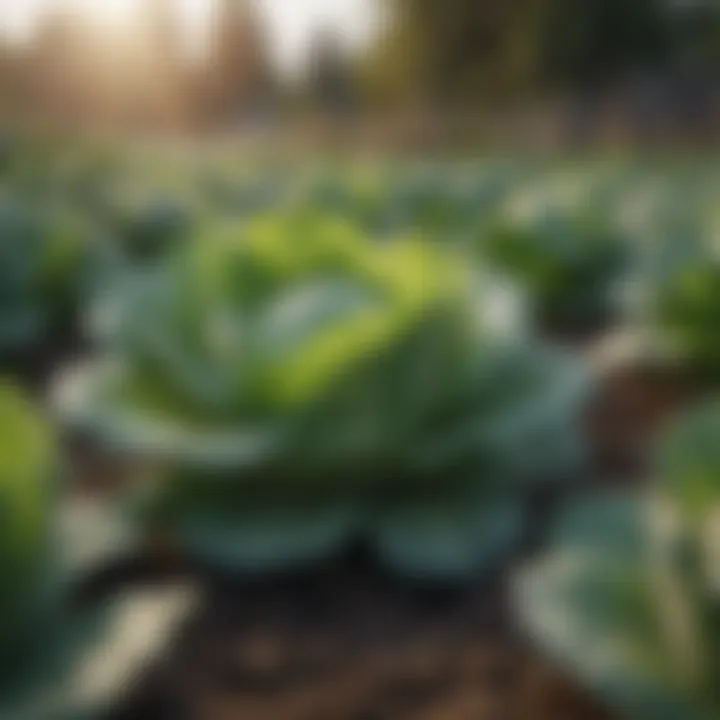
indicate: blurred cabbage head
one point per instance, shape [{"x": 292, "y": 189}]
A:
[
  {"x": 568, "y": 262},
  {"x": 31, "y": 636},
  {"x": 688, "y": 314},
  {"x": 60, "y": 658},
  {"x": 689, "y": 460},
  {"x": 307, "y": 386},
  {"x": 43, "y": 256},
  {"x": 628, "y": 597},
  {"x": 27, "y": 467},
  {"x": 145, "y": 226},
  {"x": 437, "y": 200}
]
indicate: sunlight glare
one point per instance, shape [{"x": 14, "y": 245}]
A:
[
  {"x": 110, "y": 11},
  {"x": 121, "y": 11}
]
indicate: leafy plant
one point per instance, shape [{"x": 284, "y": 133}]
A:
[
  {"x": 62, "y": 658},
  {"x": 146, "y": 228},
  {"x": 26, "y": 478},
  {"x": 39, "y": 640},
  {"x": 42, "y": 256},
  {"x": 628, "y": 597},
  {"x": 366, "y": 200},
  {"x": 567, "y": 262},
  {"x": 251, "y": 193},
  {"x": 688, "y": 314},
  {"x": 438, "y": 204},
  {"x": 306, "y": 386},
  {"x": 439, "y": 201}
]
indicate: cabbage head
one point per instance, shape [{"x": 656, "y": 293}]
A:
[
  {"x": 305, "y": 386},
  {"x": 30, "y": 608},
  {"x": 628, "y": 597},
  {"x": 26, "y": 503},
  {"x": 47, "y": 638},
  {"x": 568, "y": 263},
  {"x": 144, "y": 228},
  {"x": 688, "y": 315},
  {"x": 42, "y": 261}
]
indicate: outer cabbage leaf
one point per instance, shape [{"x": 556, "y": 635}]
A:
[{"x": 42, "y": 641}]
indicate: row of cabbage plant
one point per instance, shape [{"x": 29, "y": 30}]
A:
[{"x": 579, "y": 246}]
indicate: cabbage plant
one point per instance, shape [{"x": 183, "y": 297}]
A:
[
  {"x": 452, "y": 201},
  {"x": 305, "y": 386},
  {"x": 443, "y": 202},
  {"x": 145, "y": 228},
  {"x": 366, "y": 199},
  {"x": 26, "y": 497},
  {"x": 628, "y": 597},
  {"x": 62, "y": 658},
  {"x": 39, "y": 642},
  {"x": 688, "y": 314},
  {"x": 42, "y": 262},
  {"x": 568, "y": 263}
]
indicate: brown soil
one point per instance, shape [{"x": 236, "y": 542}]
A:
[
  {"x": 631, "y": 408},
  {"x": 349, "y": 643}
]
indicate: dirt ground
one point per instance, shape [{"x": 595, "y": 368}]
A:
[
  {"x": 347, "y": 642},
  {"x": 632, "y": 406}
]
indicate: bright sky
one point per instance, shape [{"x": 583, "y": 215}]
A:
[{"x": 289, "y": 22}]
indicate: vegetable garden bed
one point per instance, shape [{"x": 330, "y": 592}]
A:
[
  {"x": 350, "y": 641},
  {"x": 351, "y": 419},
  {"x": 347, "y": 642}
]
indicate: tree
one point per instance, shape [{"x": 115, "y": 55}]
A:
[
  {"x": 461, "y": 50},
  {"x": 240, "y": 79},
  {"x": 331, "y": 75},
  {"x": 597, "y": 42},
  {"x": 457, "y": 49}
]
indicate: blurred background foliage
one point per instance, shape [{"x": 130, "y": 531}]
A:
[
  {"x": 651, "y": 57},
  {"x": 466, "y": 51}
]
